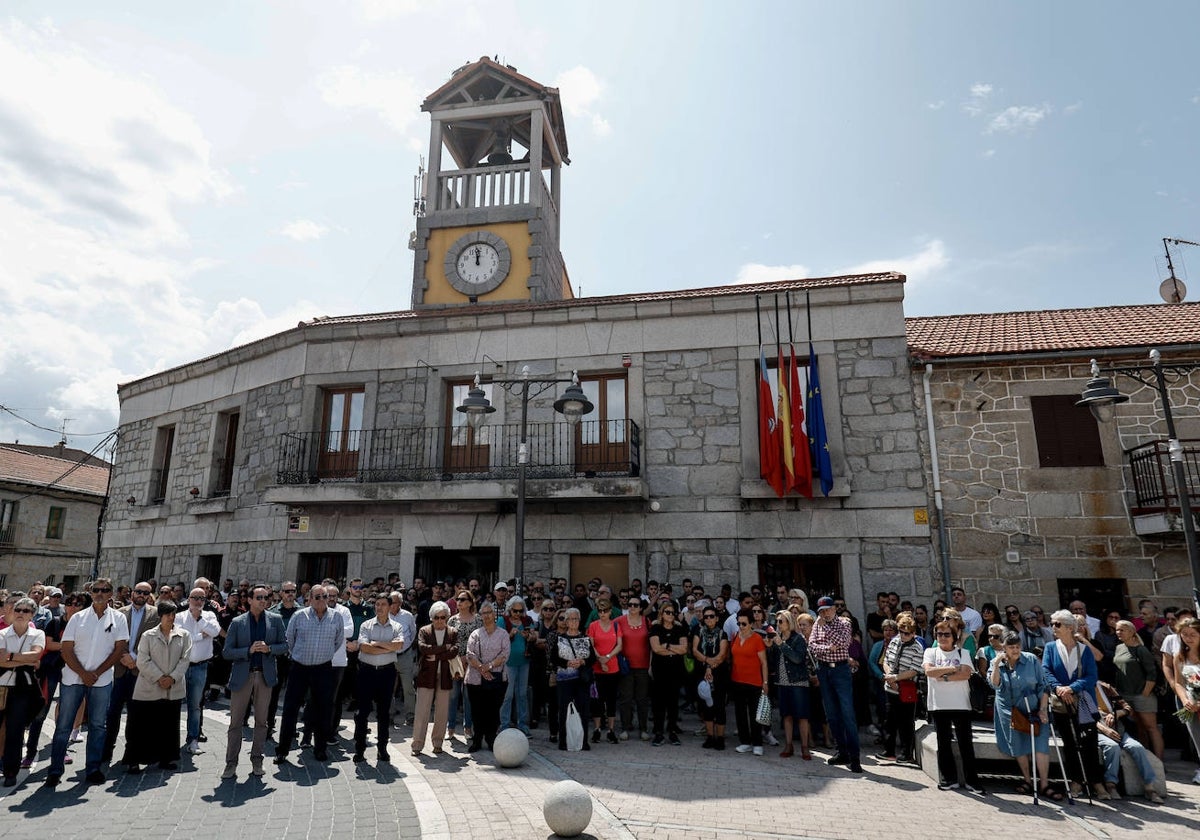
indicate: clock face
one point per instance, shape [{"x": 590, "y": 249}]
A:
[{"x": 478, "y": 263}]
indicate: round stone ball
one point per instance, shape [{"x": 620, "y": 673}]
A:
[
  {"x": 567, "y": 808},
  {"x": 511, "y": 748}
]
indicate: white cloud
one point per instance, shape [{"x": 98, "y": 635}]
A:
[
  {"x": 1073, "y": 107},
  {"x": 988, "y": 153},
  {"x": 580, "y": 90},
  {"x": 303, "y": 230},
  {"x": 918, "y": 267},
  {"x": 977, "y": 98},
  {"x": 1018, "y": 118},
  {"x": 393, "y": 97},
  {"x": 377, "y": 10},
  {"x": 759, "y": 273},
  {"x": 936, "y": 106}
]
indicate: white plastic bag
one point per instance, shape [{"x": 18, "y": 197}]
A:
[{"x": 574, "y": 729}]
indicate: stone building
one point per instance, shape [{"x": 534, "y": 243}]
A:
[
  {"x": 50, "y": 504},
  {"x": 1043, "y": 504},
  {"x": 335, "y": 448}
]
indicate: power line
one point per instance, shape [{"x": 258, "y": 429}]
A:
[
  {"x": 82, "y": 463},
  {"x": 8, "y": 410}
]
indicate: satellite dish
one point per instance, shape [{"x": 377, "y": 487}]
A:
[{"x": 1172, "y": 290}]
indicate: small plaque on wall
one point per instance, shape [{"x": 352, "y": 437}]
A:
[
  {"x": 379, "y": 527},
  {"x": 298, "y": 524}
]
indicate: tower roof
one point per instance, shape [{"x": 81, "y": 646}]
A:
[{"x": 485, "y": 82}]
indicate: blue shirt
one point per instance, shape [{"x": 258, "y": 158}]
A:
[{"x": 312, "y": 640}]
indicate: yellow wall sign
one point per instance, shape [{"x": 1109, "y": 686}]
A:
[
  {"x": 920, "y": 516},
  {"x": 298, "y": 524}
]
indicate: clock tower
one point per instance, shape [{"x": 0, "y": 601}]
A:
[{"x": 490, "y": 230}]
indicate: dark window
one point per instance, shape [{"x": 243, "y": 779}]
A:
[
  {"x": 146, "y": 566},
  {"x": 226, "y": 453},
  {"x": 8, "y": 522},
  {"x": 315, "y": 567},
  {"x": 341, "y": 432},
  {"x": 160, "y": 475},
  {"x": 209, "y": 566},
  {"x": 1067, "y": 434},
  {"x": 816, "y": 574},
  {"x": 54, "y": 523},
  {"x": 600, "y": 437}
]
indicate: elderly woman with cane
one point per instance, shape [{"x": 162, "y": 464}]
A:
[
  {"x": 1020, "y": 715},
  {"x": 1070, "y": 670}
]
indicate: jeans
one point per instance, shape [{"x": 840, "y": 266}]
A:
[
  {"x": 1111, "y": 752},
  {"x": 194, "y": 680},
  {"x": 70, "y": 698},
  {"x": 460, "y": 692},
  {"x": 122, "y": 693},
  {"x": 837, "y": 696},
  {"x": 518, "y": 687}
]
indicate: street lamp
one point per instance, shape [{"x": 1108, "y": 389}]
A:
[
  {"x": 1100, "y": 396},
  {"x": 572, "y": 405}
]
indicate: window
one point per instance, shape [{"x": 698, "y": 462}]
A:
[
  {"x": 145, "y": 569},
  {"x": 54, "y": 523},
  {"x": 226, "y": 452},
  {"x": 314, "y": 567},
  {"x": 69, "y": 584},
  {"x": 8, "y": 522},
  {"x": 467, "y": 448},
  {"x": 601, "y": 444},
  {"x": 1067, "y": 434},
  {"x": 816, "y": 574},
  {"x": 209, "y": 566},
  {"x": 160, "y": 475},
  {"x": 341, "y": 432}
]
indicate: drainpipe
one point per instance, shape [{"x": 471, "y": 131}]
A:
[{"x": 937, "y": 481}]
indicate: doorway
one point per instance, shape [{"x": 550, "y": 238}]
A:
[
  {"x": 816, "y": 574},
  {"x": 435, "y": 563},
  {"x": 315, "y": 567},
  {"x": 1100, "y": 594}
]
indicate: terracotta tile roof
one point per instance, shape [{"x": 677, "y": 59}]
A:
[
  {"x": 809, "y": 283},
  {"x": 42, "y": 470},
  {"x": 1109, "y": 327}
]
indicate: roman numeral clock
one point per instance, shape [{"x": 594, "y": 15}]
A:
[{"x": 489, "y": 231}]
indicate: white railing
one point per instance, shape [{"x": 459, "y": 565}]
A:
[{"x": 487, "y": 186}]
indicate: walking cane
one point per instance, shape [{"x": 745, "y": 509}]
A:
[
  {"x": 1087, "y": 788},
  {"x": 1032, "y": 750},
  {"x": 1062, "y": 765}
]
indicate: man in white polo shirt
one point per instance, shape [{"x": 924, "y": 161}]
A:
[
  {"x": 203, "y": 626},
  {"x": 93, "y": 641}
]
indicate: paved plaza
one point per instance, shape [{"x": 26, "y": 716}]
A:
[{"x": 643, "y": 792}]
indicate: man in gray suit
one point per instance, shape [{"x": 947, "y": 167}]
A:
[
  {"x": 141, "y": 616},
  {"x": 252, "y": 643}
]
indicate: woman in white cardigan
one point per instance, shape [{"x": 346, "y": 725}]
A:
[{"x": 152, "y": 735}]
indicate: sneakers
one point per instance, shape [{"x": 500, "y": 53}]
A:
[
  {"x": 837, "y": 758},
  {"x": 612, "y": 737},
  {"x": 855, "y": 766},
  {"x": 596, "y": 737},
  {"x": 193, "y": 747},
  {"x": 975, "y": 789},
  {"x": 658, "y": 741},
  {"x": 1196, "y": 778},
  {"x": 230, "y": 772},
  {"x": 718, "y": 743},
  {"x": 256, "y": 768},
  {"x": 674, "y": 739},
  {"x": 947, "y": 785},
  {"x": 623, "y": 735},
  {"x": 708, "y": 743},
  {"x": 770, "y": 738},
  {"x": 27, "y": 762},
  {"x": 758, "y": 750},
  {"x": 75, "y": 736},
  {"x": 645, "y": 736},
  {"x": 745, "y": 748}
]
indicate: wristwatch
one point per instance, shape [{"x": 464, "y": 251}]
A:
[{"x": 945, "y": 678}]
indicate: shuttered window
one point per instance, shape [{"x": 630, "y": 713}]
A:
[{"x": 1067, "y": 434}]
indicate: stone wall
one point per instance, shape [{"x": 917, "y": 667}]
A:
[{"x": 1016, "y": 528}]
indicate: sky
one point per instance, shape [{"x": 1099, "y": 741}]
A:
[{"x": 177, "y": 179}]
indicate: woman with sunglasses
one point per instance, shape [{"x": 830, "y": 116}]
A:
[
  {"x": 1136, "y": 676},
  {"x": 437, "y": 644},
  {"x": 1070, "y": 669},
  {"x": 545, "y": 627},
  {"x": 51, "y": 669},
  {"x": 465, "y": 622},
  {"x": 21, "y": 646},
  {"x": 155, "y": 709},
  {"x": 710, "y": 649},
  {"x": 749, "y": 680},
  {"x": 633, "y": 688},
  {"x": 606, "y": 641},
  {"x": 668, "y": 646},
  {"x": 1012, "y": 618},
  {"x": 990, "y": 613},
  {"x": 487, "y": 653},
  {"x": 948, "y": 671},
  {"x": 903, "y": 662},
  {"x": 1105, "y": 641},
  {"x": 1022, "y": 688}
]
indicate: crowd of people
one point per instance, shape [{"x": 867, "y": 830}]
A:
[{"x": 595, "y": 666}]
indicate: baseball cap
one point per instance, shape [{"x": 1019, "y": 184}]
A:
[
  {"x": 53, "y": 592},
  {"x": 824, "y": 602},
  {"x": 499, "y": 586}
]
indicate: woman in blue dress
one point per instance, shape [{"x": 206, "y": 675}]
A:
[{"x": 1021, "y": 683}]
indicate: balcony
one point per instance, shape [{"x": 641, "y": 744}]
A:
[
  {"x": 488, "y": 187},
  {"x": 1155, "y": 504},
  {"x": 10, "y": 536},
  {"x": 596, "y": 459}
]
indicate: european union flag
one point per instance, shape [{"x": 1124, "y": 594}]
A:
[{"x": 815, "y": 416}]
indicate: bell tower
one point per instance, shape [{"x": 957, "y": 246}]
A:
[{"x": 490, "y": 232}]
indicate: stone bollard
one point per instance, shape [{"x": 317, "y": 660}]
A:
[
  {"x": 567, "y": 808},
  {"x": 511, "y": 748}
]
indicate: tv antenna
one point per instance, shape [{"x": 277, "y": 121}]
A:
[
  {"x": 1173, "y": 290},
  {"x": 419, "y": 189}
]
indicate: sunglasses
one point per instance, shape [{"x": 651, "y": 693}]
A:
[
  {"x": 1011, "y": 612},
  {"x": 635, "y": 605},
  {"x": 289, "y": 591},
  {"x": 667, "y": 612},
  {"x": 141, "y": 592},
  {"x": 710, "y": 615},
  {"x": 195, "y": 597},
  {"x": 262, "y": 597},
  {"x": 318, "y": 597},
  {"x": 945, "y": 635},
  {"x": 23, "y": 610},
  {"x": 97, "y": 590},
  {"x": 439, "y": 618},
  {"x": 743, "y": 624},
  {"x": 1056, "y": 624},
  {"x": 995, "y": 636}
]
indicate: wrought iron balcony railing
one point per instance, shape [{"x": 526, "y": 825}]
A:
[
  {"x": 555, "y": 450},
  {"x": 1153, "y": 484}
]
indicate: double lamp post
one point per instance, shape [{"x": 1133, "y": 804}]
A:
[{"x": 572, "y": 405}]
